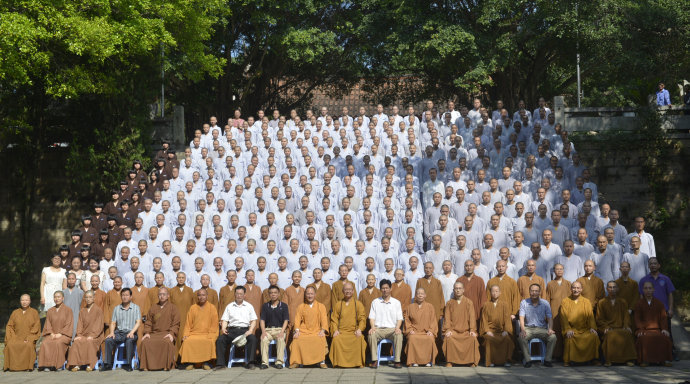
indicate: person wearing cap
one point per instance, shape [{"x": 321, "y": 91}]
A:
[
  {"x": 165, "y": 145},
  {"x": 160, "y": 172},
  {"x": 125, "y": 193},
  {"x": 132, "y": 181},
  {"x": 200, "y": 333},
  {"x": 89, "y": 234},
  {"x": 239, "y": 321}
]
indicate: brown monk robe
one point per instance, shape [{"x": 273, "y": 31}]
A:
[
  {"x": 421, "y": 328},
  {"x": 323, "y": 290},
  {"x": 210, "y": 292},
  {"x": 57, "y": 334},
  {"x": 89, "y": 336},
  {"x": 200, "y": 332},
  {"x": 162, "y": 325},
  {"x": 153, "y": 291},
  {"x": 348, "y": 321},
  {"x": 21, "y": 333},
  {"x": 509, "y": 288},
  {"x": 294, "y": 296},
  {"x": 592, "y": 286},
  {"x": 183, "y": 298},
  {"x": 273, "y": 280},
  {"x": 337, "y": 288},
  {"x": 253, "y": 295},
  {"x": 140, "y": 297},
  {"x": 460, "y": 345},
  {"x": 475, "y": 290},
  {"x": 613, "y": 323},
  {"x": 400, "y": 291},
  {"x": 581, "y": 342},
  {"x": 432, "y": 287},
  {"x": 557, "y": 290},
  {"x": 227, "y": 292},
  {"x": 530, "y": 278},
  {"x": 112, "y": 300},
  {"x": 311, "y": 326},
  {"x": 99, "y": 296},
  {"x": 654, "y": 343},
  {"x": 496, "y": 330},
  {"x": 628, "y": 290}
]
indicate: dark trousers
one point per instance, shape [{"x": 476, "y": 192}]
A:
[
  {"x": 112, "y": 344},
  {"x": 225, "y": 341}
]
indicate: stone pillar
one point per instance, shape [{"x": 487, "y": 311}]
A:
[{"x": 177, "y": 130}]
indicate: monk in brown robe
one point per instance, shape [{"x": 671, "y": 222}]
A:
[
  {"x": 348, "y": 321},
  {"x": 421, "y": 327},
  {"x": 159, "y": 279},
  {"x": 496, "y": 330},
  {"x": 200, "y": 333},
  {"x": 337, "y": 288},
  {"x": 57, "y": 334},
  {"x": 294, "y": 296},
  {"x": 112, "y": 300},
  {"x": 99, "y": 296},
  {"x": 508, "y": 286},
  {"x": 162, "y": 325},
  {"x": 212, "y": 294},
  {"x": 613, "y": 322},
  {"x": 475, "y": 290},
  {"x": 530, "y": 278},
  {"x": 581, "y": 342},
  {"x": 266, "y": 295},
  {"x": 21, "y": 333},
  {"x": 85, "y": 346},
  {"x": 227, "y": 293},
  {"x": 460, "y": 344},
  {"x": 371, "y": 293},
  {"x": 401, "y": 291},
  {"x": 654, "y": 343},
  {"x": 592, "y": 286},
  {"x": 253, "y": 294},
  {"x": 323, "y": 290},
  {"x": 628, "y": 290},
  {"x": 432, "y": 287},
  {"x": 309, "y": 335},
  {"x": 140, "y": 297},
  {"x": 557, "y": 290},
  {"x": 183, "y": 298}
]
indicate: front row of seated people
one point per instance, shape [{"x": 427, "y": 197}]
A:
[{"x": 580, "y": 330}]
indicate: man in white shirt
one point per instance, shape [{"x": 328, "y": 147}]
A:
[
  {"x": 385, "y": 318},
  {"x": 448, "y": 279},
  {"x": 239, "y": 318}
]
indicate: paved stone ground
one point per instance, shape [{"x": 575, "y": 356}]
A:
[{"x": 679, "y": 373}]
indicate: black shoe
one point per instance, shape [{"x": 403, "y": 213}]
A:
[
  {"x": 251, "y": 366},
  {"x": 127, "y": 368},
  {"x": 264, "y": 366},
  {"x": 548, "y": 364},
  {"x": 527, "y": 364},
  {"x": 219, "y": 367},
  {"x": 279, "y": 366},
  {"x": 106, "y": 367}
]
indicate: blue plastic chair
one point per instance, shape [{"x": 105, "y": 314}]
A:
[
  {"x": 387, "y": 358},
  {"x": 542, "y": 350},
  {"x": 272, "y": 359},
  {"x": 121, "y": 358},
  {"x": 232, "y": 359}
]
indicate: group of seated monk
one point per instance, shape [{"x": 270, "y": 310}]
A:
[{"x": 200, "y": 336}]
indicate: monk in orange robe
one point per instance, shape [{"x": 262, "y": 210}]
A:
[
  {"x": 323, "y": 290},
  {"x": 581, "y": 341},
  {"x": 592, "y": 286},
  {"x": 557, "y": 290},
  {"x": 85, "y": 346},
  {"x": 401, "y": 291},
  {"x": 21, "y": 333},
  {"x": 421, "y": 327},
  {"x": 654, "y": 343},
  {"x": 183, "y": 298},
  {"x": 200, "y": 334},
  {"x": 613, "y": 322},
  {"x": 496, "y": 330},
  {"x": 460, "y": 344},
  {"x": 309, "y": 335},
  {"x": 57, "y": 335}
]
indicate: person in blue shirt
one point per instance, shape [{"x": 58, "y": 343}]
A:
[{"x": 662, "y": 96}]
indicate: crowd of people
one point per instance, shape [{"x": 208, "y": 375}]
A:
[{"x": 451, "y": 237}]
